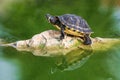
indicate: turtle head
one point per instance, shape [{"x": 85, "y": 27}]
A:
[{"x": 51, "y": 19}]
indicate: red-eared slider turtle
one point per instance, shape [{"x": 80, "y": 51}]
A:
[{"x": 73, "y": 25}]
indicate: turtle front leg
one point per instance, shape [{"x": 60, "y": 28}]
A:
[
  {"x": 87, "y": 40},
  {"x": 62, "y": 33}
]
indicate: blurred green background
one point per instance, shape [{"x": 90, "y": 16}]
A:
[{"x": 21, "y": 19}]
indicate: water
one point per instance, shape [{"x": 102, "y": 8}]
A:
[
  {"x": 24, "y": 20},
  {"x": 9, "y": 70}
]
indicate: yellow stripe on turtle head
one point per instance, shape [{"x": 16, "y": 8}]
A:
[{"x": 57, "y": 27}]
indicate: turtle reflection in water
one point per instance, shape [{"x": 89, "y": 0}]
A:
[
  {"x": 72, "y": 25},
  {"x": 74, "y": 59}
]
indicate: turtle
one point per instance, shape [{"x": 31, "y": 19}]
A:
[{"x": 72, "y": 24}]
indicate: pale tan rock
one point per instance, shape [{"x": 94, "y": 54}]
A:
[{"x": 47, "y": 43}]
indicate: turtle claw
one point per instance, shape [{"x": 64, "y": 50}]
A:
[
  {"x": 61, "y": 37},
  {"x": 87, "y": 40}
]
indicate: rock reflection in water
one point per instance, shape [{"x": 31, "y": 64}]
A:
[{"x": 74, "y": 59}]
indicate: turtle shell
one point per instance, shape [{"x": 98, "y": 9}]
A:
[{"x": 75, "y": 23}]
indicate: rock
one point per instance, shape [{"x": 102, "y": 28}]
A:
[{"x": 47, "y": 43}]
